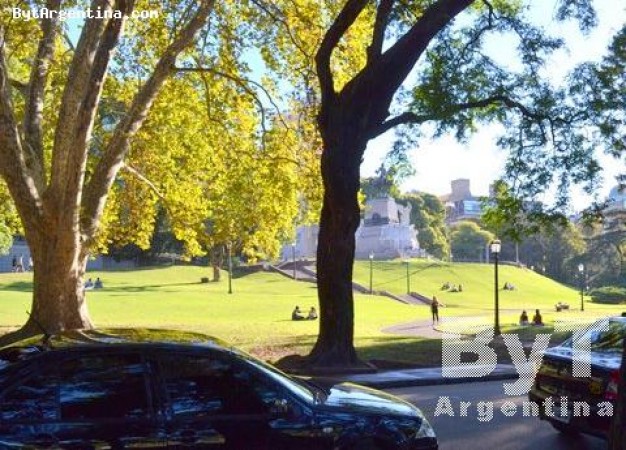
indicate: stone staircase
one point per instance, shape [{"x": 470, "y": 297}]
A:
[{"x": 304, "y": 272}]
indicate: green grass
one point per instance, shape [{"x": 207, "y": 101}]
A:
[
  {"x": 256, "y": 317},
  {"x": 533, "y": 291}
]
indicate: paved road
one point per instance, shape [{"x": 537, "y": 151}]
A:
[{"x": 501, "y": 433}]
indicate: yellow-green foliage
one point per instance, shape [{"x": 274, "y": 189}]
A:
[{"x": 212, "y": 153}]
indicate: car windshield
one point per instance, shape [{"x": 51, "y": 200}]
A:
[
  {"x": 302, "y": 390},
  {"x": 603, "y": 338}
]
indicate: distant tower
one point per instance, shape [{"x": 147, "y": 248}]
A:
[{"x": 460, "y": 190}]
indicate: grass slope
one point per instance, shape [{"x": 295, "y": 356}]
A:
[
  {"x": 533, "y": 291},
  {"x": 427, "y": 277},
  {"x": 256, "y": 316}
]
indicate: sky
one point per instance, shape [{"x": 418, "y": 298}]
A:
[{"x": 438, "y": 162}]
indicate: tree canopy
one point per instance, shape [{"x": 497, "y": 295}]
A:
[
  {"x": 468, "y": 242},
  {"x": 428, "y": 215}
]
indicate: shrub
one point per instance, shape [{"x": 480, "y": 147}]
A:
[{"x": 612, "y": 295}]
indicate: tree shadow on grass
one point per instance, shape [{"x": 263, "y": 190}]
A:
[
  {"x": 386, "y": 353},
  {"x": 134, "y": 269},
  {"x": 145, "y": 288},
  {"x": 396, "y": 352},
  {"x": 27, "y": 286},
  {"x": 19, "y": 286}
]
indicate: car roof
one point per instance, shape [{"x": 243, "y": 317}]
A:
[
  {"x": 108, "y": 338},
  {"x": 614, "y": 318},
  {"x": 124, "y": 336}
]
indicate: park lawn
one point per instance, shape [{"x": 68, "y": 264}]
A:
[
  {"x": 533, "y": 291},
  {"x": 255, "y": 317}
]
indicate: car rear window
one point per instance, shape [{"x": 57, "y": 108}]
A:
[{"x": 607, "y": 340}]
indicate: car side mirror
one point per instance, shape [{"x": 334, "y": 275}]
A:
[{"x": 280, "y": 407}]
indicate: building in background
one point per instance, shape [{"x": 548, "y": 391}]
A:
[
  {"x": 20, "y": 248},
  {"x": 615, "y": 211},
  {"x": 460, "y": 204},
  {"x": 385, "y": 231}
]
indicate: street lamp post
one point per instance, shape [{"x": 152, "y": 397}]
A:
[
  {"x": 495, "y": 249},
  {"x": 371, "y": 271},
  {"x": 230, "y": 270},
  {"x": 408, "y": 278},
  {"x": 581, "y": 272},
  {"x": 293, "y": 257}
]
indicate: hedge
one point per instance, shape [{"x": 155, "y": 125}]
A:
[{"x": 613, "y": 295}]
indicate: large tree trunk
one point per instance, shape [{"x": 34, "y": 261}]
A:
[
  {"x": 336, "y": 243},
  {"x": 60, "y": 213},
  {"x": 58, "y": 293}
]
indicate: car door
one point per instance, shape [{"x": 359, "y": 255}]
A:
[
  {"x": 215, "y": 401},
  {"x": 29, "y": 411},
  {"x": 197, "y": 399},
  {"x": 98, "y": 401}
]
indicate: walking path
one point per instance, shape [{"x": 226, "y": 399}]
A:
[{"x": 421, "y": 328}]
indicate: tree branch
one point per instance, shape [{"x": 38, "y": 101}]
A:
[
  {"x": 154, "y": 188},
  {"x": 74, "y": 94},
  {"x": 380, "y": 26},
  {"x": 342, "y": 23},
  {"x": 141, "y": 177},
  {"x": 278, "y": 17},
  {"x": 33, "y": 113},
  {"x": 402, "y": 119},
  {"x": 89, "y": 105},
  {"x": 384, "y": 77},
  {"x": 68, "y": 41},
  {"x": 491, "y": 12},
  {"x": 13, "y": 168},
  {"x": 22, "y": 88},
  {"x": 112, "y": 159},
  {"x": 412, "y": 118},
  {"x": 243, "y": 83}
]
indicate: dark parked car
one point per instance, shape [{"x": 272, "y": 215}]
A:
[
  {"x": 582, "y": 404},
  {"x": 171, "y": 389}
]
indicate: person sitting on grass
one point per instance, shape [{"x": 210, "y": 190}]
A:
[
  {"x": 523, "y": 318},
  {"x": 89, "y": 284},
  {"x": 98, "y": 284},
  {"x": 297, "y": 314},
  {"x": 537, "y": 319},
  {"x": 312, "y": 314}
]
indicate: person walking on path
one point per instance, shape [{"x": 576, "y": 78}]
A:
[{"x": 434, "y": 309}]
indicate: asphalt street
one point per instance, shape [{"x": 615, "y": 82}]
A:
[{"x": 517, "y": 432}]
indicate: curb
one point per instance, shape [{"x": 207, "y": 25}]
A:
[
  {"x": 398, "y": 379},
  {"x": 393, "y": 384}
]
